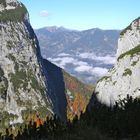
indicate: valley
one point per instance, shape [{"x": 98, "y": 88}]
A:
[
  {"x": 87, "y": 55},
  {"x": 62, "y": 84}
]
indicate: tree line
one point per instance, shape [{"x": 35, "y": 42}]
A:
[{"x": 97, "y": 123}]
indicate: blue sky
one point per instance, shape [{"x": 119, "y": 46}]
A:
[{"x": 82, "y": 14}]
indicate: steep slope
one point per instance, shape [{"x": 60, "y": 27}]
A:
[
  {"x": 91, "y": 50},
  {"x": 124, "y": 78},
  {"x": 56, "y": 88},
  {"x": 22, "y": 84},
  {"x": 77, "y": 93},
  {"x": 25, "y": 86}
]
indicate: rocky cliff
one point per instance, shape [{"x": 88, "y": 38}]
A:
[
  {"x": 28, "y": 83},
  {"x": 124, "y": 78},
  {"x": 22, "y": 83}
]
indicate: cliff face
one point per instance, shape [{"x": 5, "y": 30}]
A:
[
  {"x": 22, "y": 83},
  {"x": 56, "y": 88},
  {"x": 124, "y": 78}
]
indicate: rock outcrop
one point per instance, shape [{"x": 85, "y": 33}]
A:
[
  {"x": 124, "y": 78},
  {"x": 22, "y": 80}
]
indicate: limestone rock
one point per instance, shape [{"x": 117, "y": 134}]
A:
[
  {"x": 124, "y": 78},
  {"x": 22, "y": 83}
]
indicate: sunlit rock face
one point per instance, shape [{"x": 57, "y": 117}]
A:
[
  {"x": 124, "y": 78},
  {"x": 23, "y": 83}
]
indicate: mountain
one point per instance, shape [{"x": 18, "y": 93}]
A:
[
  {"x": 123, "y": 79},
  {"x": 22, "y": 83},
  {"x": 29, "y": 83},
  {"x": 85, "y": 54}
]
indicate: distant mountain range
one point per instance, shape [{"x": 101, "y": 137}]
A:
[{"x": 85, "y": 54}]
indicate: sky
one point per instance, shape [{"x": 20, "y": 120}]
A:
[{"x": 82, "y": 14}]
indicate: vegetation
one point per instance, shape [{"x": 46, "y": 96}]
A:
[
  {"x": 9, "y": 44},
  {"x": 125, "y": 30},
  {"x": 1, "y": 72},
  {"x": 5, "y": 117},
  {"x": 134, "y": 63},
  {"x": 3, "y": 91},
  {"x": 127, "y": 72},
  {"x": 35, "y": 85},
  {"x": 104, "y": 78},
  {"x": 80, "y": 94},
  {"x": 76, "y": 106},
  {"x": 18, "y": 78},
  {"x": 99, "y": 122},
  {"x": 114, "y": 82},
  {"x": 128, "y": 27},
  {"x": 131, "y": 52},
  {"x": 3, "y": 85},
  {"x": 15, "y": 15},
  {"x": 21, "y": 78},
  {"x": 11, "y": 57},
  {"x": 3, "y": 2},
  {"x": 75, "y": 86}
]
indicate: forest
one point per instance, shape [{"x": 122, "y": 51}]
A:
[{"x": 99, "y": 122}]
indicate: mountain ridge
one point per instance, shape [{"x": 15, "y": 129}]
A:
[
  {"x": 55, "y": 27},
  {"x": 92, "y": 48}
]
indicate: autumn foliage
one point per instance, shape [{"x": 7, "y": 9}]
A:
[
  {"x": 76, "y": 106},
  {"x": 79, "y": 97}
]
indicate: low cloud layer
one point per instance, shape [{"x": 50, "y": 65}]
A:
[
  {"x": 63, "y": 61},
  {"x": 79, "y": 66},
  {"x": 98, "y": 71},
  {"x": 103, "y": 59},
  {"x": 83, "y": 68},
  {"x": 63, "y": 54}
]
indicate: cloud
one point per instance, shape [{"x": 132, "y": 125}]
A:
[
  {"x": 63, "y": 61},
  {"x": 44, "y": 13},
  {"x": 80, "y": 66},
  {"x": 96, "y": 71},
  {"x": 99, "y": 71},
  {"x": 84, "y": 68},
  {"x": 108, "y": 59},
  {"x": 79, "y": 63},
  {"x": 63, "y": 54}
]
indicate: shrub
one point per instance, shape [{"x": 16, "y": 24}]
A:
[{"x": 16, "y": 15}]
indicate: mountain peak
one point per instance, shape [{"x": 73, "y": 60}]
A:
[
  {"x": 8, "y": 4},
  {"x": 129, "y": 37},
  {"x": 56, "y": 29},
  {"x": 12, "y": 10},
  {"x": 134, "y": 25},
  {"x": 52, "y": 28}
]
